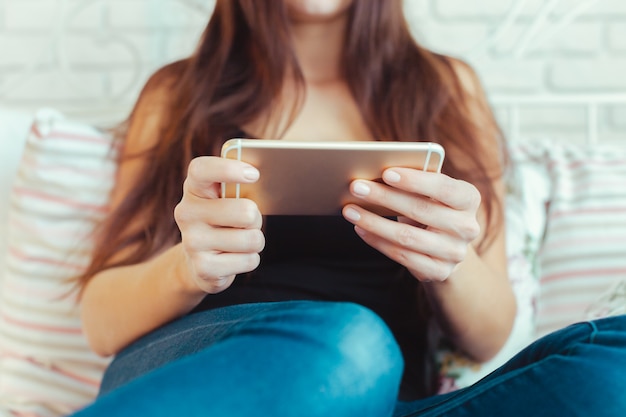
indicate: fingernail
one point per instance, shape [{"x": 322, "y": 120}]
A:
[
  {"x": 391, "y": 176},
  {"x": 359, "y": 231},
  {"x": 352, "y": 215},
  {"x": 361, "y": 189},
  {"x": 251, "y": 174}
]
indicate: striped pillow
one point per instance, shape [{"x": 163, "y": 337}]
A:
[
  {"x": 61, "y": 190},
  {"x": 584, "y": 252}
]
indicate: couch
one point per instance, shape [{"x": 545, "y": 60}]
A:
[{"x": 566, "y": 245}]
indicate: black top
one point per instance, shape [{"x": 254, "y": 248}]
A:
[{"x": 322, "y": 258}]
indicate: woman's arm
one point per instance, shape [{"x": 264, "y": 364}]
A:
[
  {"x": 481, "y": 323},
  {"x": 220, "y": 238},
  {"x": 476, "y": 306},
  {"x": 121, "y": 304},
  {"x": 470, "y": 293}
]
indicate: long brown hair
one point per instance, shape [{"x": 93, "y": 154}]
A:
[{"x": 404, "y": 93}]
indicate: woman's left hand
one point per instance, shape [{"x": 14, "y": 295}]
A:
[{"x": 437, "y": 220}]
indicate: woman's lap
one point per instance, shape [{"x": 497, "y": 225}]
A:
[{"x": 572, "y": 372}]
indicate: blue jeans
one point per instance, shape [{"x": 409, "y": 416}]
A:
[{"x": 306, "y": 358}]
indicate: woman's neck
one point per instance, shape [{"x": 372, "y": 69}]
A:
[{"x": 319, "y": 46}]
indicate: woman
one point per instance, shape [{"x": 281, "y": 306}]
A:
[{"x": 212, "y": 309}]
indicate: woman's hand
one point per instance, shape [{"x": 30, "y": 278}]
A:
[
  {"x": 221, "y": 237},
  {"x": 436, "y": 223}
]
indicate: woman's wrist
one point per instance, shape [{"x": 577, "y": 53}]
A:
[
  {"x": 475, "y": 306},
  {"x": 181, "y": 275}
]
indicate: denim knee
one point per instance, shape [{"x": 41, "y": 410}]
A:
[
  {"x": 595, "y": 367},
  {"x": 366, "y": 355},
  {"x": 289, "y": 358}
]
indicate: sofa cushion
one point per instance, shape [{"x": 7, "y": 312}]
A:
[
  {"x": 584, "y": 252},
  {"x": 61, "y": 190}
]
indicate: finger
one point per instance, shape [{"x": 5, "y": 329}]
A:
[
  {"x": 219, "y": 240},
  {"x": 425, "y": 268},
  {"x": 224, "y": 212},
  {"x": 406, "y": 237},
  {"x": 206, "y": 173},
  {"x": 454, "y": 193},
  {"x": 416, "y": 207},
  {"x": 212, "y": 266},
  {"x": 216, "y": 285}
]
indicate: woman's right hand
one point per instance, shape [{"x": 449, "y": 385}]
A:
[{"x": 221, "y": 237}]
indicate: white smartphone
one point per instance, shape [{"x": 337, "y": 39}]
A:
[{"x": 313, "y": 178}]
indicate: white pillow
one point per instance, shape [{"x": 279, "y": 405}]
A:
[
  {"x": 61, "y": 190},
  {"x": 584, "y": 253}
]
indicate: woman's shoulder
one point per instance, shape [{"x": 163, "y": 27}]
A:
[
  {"x": 140, "y": 132},
  {"x": 464, "y": 72},
  {"x": 156, "y": 96},
  {"x": 478, "y": 111},
  {"x": 163, "y": 80}
]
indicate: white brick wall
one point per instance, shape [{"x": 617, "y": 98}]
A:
[
  {"x": 94, "y": 67},
  {"x": 90, "y": 58},
  {"x": 567, "y": 59}
]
